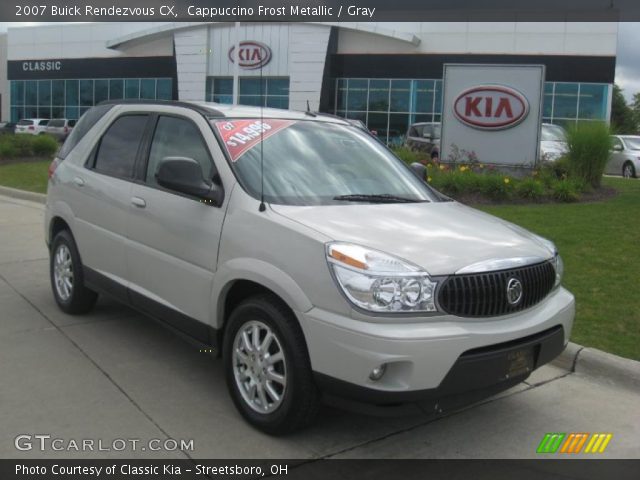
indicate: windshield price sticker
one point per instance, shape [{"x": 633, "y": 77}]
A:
[{"x": 240, "y": 136}]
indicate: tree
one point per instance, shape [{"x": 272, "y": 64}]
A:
[
  {"x": 635, "y": 108},
  {"x": 623, "y": 120}
]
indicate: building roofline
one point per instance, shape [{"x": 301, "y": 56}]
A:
[{"x": 159, "y": 30}]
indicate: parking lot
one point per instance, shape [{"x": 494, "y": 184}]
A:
[{"x": 115, "y": 374}]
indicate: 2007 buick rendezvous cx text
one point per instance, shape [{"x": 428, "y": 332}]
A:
[{"x": 297, "y": 244}]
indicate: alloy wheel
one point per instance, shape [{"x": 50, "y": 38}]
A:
[{"x": 63, "y": 272}]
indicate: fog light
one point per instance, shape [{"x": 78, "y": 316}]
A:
[{"x": 377, "y": 373}]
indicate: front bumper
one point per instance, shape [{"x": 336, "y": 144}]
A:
[{"x": 444, "y": 356}]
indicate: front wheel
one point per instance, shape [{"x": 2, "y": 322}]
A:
[
  {"x": 67, "y": 279},
  {"x": 628, "y": 171},
  {"x": 267, "y": 367}
]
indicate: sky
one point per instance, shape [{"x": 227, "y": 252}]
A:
[{"x": 627, "y": 65}]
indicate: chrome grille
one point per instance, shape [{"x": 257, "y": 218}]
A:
[{"x": 485, "y": 294}]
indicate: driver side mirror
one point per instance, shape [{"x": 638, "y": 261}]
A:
[
  {"x": 184, "y": 175},
  {"x": 617, "y": 148},
  {"x": 427, "y": 136}
]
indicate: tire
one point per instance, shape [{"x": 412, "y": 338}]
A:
[
  {"x": 299, "y": 398},
  {"x": 71, "y": 296},
  {"x": 628, "y": 170}
]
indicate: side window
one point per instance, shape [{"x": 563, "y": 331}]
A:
[
  {"x": 616, "y": 143},
  {"x": 178, "y": 137},
  {"x": 119, "y": 146}
]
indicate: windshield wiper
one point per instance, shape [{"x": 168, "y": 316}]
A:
[{"x": 376, "y": 198}]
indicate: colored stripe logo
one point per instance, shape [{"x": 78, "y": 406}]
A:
[{"x": 573, "y": 443}]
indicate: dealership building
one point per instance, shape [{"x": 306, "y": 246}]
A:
[{"x": 388, "y": 75}]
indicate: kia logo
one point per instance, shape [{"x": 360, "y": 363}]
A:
[
  {"x": 491, "y": 107},
  {"x": 252, "y": 55},
  {"x": 514, "y": 291}
]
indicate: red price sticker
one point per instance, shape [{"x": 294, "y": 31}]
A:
[{"x": 240, "y": 136}]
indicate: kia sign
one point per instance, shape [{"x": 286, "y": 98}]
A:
[
  {"x": 252, "y": 55},
  {"x": 491, "y": 107},
  {"x": 494, "y": 111}
]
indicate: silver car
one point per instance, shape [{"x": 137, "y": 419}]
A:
[
  {"x": 625, "y": 156},
  {"x": 425, "y": 136},
  {"x": 302, "y": 251},
  {"x": 60, "y": 128},
  {"x": 553, "y": 142}
]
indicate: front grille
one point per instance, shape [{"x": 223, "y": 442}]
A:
[{"x": 485, "y": 294}]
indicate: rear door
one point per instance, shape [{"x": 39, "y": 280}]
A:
[
  {"x": 101, "y": 200},
  {"x": 173, "y": 238}
]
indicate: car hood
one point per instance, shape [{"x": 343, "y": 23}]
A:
[
  {"x": 440, "y": 237},
  {"x": 549, "y": 146}
]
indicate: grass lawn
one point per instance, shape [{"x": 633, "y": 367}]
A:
[
  {"x": 600, "y": 246},
  {"x": 599, "y": 242},
  {"x": 30, "y": 176}
]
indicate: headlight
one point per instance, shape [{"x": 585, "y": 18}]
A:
[
  {"x": 378, "y": 282},
  {"x": 559, "y": 266}
]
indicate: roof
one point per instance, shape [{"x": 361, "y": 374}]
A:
[{"x": 219, "y": 110}]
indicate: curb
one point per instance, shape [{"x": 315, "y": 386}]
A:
[
  {"x": 602, "y": 366},
  {"x": 23, "y": 194}
]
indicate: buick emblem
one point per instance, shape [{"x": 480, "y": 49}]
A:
[{"x": 514, "y": 291}]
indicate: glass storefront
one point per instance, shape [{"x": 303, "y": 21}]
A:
[
  {"x": 71, "y": 98},
  {"x": 389, "y": 106},
  {"x": 275, "y": 91}
]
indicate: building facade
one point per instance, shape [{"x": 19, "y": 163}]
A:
[{"x": 388, "y": 75}]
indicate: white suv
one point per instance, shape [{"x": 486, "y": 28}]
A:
[{"x": 303, "y": 250}]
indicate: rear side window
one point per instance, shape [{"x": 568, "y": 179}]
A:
[
  {"x": 85, "y": 123},
  {"x": 71, "y": 123},
  {"x": 25, "y": 122},
  {"x": 119, "y": 146},
  {"x": 43, "y": 123},
  {"x": 56, "y": 123}
]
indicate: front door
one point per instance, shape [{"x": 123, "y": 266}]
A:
[{"x": 174, "y": 238}]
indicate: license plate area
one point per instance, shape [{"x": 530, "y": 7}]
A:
[{"x": 519, "y": 362}]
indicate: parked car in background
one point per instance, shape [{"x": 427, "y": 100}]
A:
[
  {"x": 553, "y": 142},
  {"x": 60, "y": 128},
  {"x": 32, "y": 126},
  {"x": 425, "y": 136},
  {"x": 7, "y": 128},
  {"x": 625, "y": 156}
]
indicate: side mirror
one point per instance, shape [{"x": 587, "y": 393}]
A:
[
  {"x": 184, "y": 175},
  {"x": 427, "y": 136},
  {"x": 419, "y": 170},
  {"x": 617, "y": 148}
]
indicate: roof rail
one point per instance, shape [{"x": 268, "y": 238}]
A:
[{"x": 205, "y": 111}]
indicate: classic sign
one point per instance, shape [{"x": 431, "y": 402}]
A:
[
  {"x": 491, "y": 107},
  {"x": 252, "y": 55}
]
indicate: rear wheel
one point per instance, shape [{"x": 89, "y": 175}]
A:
[
  {"x": 267, "y": 367},
  {"x": 67, "y": 279},
  {"x": 628, "y": 170}
]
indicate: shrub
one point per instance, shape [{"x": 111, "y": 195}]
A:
[
  {"x": 496, "y": 186},
  {"x": 407, "y": 155},
  {"x": 566, "y": 191},
  {"x": 45, "y": 145},
  {"x": 589, "y": 150},
  {"x": 530, "y": 189},
  {"x": 7, "y": 149},
  {"x": 23, "y": 145}
]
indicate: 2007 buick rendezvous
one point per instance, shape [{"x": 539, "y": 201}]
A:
[{"x": 351, "y": 281}]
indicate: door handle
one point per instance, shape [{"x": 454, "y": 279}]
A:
[
  {"x": 78, "y": 181},
  {"x": 138, "y": 202}
]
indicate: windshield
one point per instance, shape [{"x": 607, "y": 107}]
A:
[
  {"x": 553, "y": 133},
  {"x": 317, "y": 163},
  {"x": 632, "y": 143}
]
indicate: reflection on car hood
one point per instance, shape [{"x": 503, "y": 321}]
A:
[
  {"x": 439, "y": 237},
  {"x": 548, "y": 146}
]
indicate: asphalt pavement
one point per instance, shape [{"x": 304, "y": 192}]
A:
[{"x": 116, "y": 378}]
